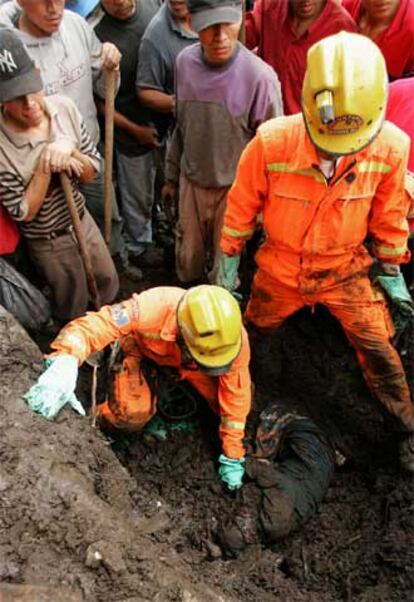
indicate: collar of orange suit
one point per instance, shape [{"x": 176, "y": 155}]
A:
[{"x": 307, "y": 154}]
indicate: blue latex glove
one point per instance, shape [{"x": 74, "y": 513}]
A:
[
  {"x": 55, "y": 387},
  {"x": 231, "y": 472},
  {"x": 228, "y": 272}
]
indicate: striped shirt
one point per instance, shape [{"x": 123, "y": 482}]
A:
[{"x": 19, "y": 156}]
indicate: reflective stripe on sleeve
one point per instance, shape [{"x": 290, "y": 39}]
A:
[
  {"x": 232, "y": 424},
  {"x": 237, "y": 233},
  {"x": 306, "y": 172},
  {"x": 151, "y": 335},
  {"x": 389, "y": 251},
  {"x": 373, "y": 167},
  {"x": 70, "y": 339},
  {"x": 281, "y": 167}
]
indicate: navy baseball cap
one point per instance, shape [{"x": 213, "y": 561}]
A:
[
  {"x": 18, "y": 73},
  {"x": 210, "y": 12}
]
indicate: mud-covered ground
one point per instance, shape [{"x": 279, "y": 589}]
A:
[
  {"x": 131, "y": 518},
  {"x": 360, "y": 544}
]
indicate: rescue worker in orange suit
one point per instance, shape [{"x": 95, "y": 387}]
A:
[
  {"x": 327, "y": 181},
  {"x": 199, "y": 332}
]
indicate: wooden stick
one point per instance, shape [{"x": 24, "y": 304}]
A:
[
  {"x": 90, "y": 277},
  {"x": 110, "y": 80},
  {"x": 77, "y": 227},
  {"x": 242, "y": 32},
  {"x": 94, "y": 387}
]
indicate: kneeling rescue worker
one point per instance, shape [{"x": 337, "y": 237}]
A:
[
  {"x": 329, "y": 183},
  {"x": 199, "y": 332}
]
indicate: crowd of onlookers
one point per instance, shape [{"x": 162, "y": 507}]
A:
[{"x": 188, "y": 98}]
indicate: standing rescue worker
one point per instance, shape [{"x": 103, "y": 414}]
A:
[
  {"x": 199, "y": 332},
  {"x": 324, "y": 182},
  {"x": 213, "y": 125}
]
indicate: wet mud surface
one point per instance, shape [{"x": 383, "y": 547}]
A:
[{"x": 87, "y": 517}]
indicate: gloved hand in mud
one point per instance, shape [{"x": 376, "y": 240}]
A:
[
  {"x": 231, "y": 471},
  {"x": 55, "y": 387},
  {"x": 402, "y": 305}
]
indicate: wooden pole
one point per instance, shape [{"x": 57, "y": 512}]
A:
[
  {"x": 242, "y": 32},
  {"x": 110, "y": 80},
  {"x": 86, "y": 260},
  {"x": 90, "y": 277}
]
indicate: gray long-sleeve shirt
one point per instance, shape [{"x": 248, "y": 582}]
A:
[{"x": 69, "y": 61}]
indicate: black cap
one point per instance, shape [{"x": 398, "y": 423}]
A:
[
  {"x": 18, "y": 74},
  {"x": 210, "y": 12}
]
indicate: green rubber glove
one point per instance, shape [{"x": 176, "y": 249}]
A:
[
  {"x": 227, "y": 272},
  {"x": 401, "y": 302},
  {"x": 157, "y": 428},
  {"x": 55, "y": 387},
  {"x": 231, "y": 472}
]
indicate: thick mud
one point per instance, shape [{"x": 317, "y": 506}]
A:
[{"x": 84, "y": 517}]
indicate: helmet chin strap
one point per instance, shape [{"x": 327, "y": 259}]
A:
[
  {"x": 186, "y": 357},
  {"x": 324, "y": 156},
  {"x": 188, "y": 360}
]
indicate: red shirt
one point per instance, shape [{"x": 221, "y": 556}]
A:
[
  {"x": 397, "y": 41},
  {"x": 281, "y": 48},
  {"x": 400, "y": 110},
  {"x": 9, "y": 233}
]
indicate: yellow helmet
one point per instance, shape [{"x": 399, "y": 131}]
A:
[
  {"x": 210, "y": 322},
  {"x": 344, "y": 94}
]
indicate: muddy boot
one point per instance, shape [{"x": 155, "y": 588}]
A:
[
  {"x": 239, "y": 533},
  {"x": 407, "y": 454},
  {"x": 277, "y": 516},
  {"x": 125, "y": 269},
  {"x": 241, "y": 529}
]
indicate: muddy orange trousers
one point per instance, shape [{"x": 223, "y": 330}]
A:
[
  {"x": 364, "y": 316},
  {"x": 131, "y": 403}
]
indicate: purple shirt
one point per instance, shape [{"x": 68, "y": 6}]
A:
[{"x": 218, "y": 112}]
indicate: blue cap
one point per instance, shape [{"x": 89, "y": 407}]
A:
[{"x": 82, "y": 7}]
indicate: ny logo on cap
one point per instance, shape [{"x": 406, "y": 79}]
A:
[{"x": 7, "y": 64}]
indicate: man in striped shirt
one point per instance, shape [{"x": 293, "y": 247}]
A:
[{"x": 39, "y": 139}]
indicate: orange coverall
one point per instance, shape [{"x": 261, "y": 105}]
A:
[
  {"x": 314, "y": 239},
  {"x": 147, "y": 326}
]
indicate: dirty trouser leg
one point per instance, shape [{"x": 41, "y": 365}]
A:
[
  {"x": 201, "y": 213},
  {"x": 365, "y": 319},
  {"x": 190, "y": 248},
  {"x": 94, "y": 194},
  {"x": 60, "y": 261},
  {"x": 270, "y": 302},
  {"x": 217, "y": 209},
  {"x": 136, "y": 181},
  {"x": 103, "y": 267},
  {"x": 131, "y": 404}
]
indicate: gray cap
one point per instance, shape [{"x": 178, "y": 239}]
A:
[
  {"x": 18, "y": 74},
  {"x": 210, "y": 12}
]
